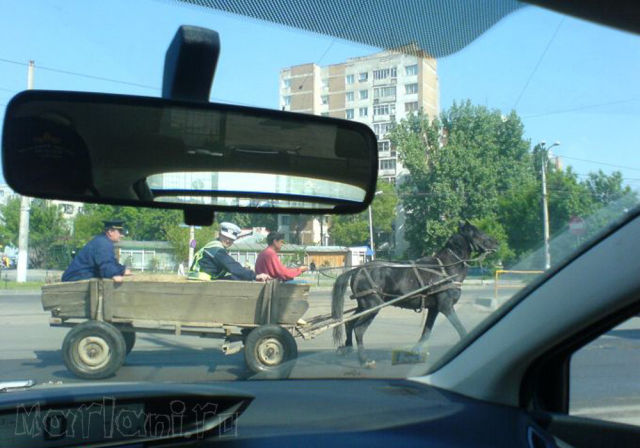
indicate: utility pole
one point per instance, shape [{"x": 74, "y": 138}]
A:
[
  {"x": 192, "y": 236},
  {"x": 373, "y": 252},
  {"x": 544, "y": 153},
  {"x": 25, "y": 205}
]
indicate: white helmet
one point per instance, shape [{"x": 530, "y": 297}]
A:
[{"x": 230, "y": 230}]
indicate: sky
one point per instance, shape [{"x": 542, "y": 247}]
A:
[{"x": 570, "y": 81}]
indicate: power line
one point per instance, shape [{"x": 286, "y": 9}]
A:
[
  {"x": 85, "y": 75},
  {"x": 535, "y": 69},
  {"x": 82, "y": 75},
  {"x": 599, "y": 163},
  {"x": 578, "y": 108}
]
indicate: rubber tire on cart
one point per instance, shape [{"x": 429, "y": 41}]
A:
[
  {"x": 270, "y": 351},
  {"x": 129, "y": 340},
  {"x": 93, "y": 350}
]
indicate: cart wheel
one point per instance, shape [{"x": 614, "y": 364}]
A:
[
  {"x": 270, "y": 351},
  {"x": 93, "y": 350},
  {"x": 129, "y": 340}
]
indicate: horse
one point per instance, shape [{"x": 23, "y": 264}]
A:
[{"x": 377, "y": 282}]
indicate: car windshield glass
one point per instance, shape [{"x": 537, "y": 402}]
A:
[{"x": 497, "y": 163}]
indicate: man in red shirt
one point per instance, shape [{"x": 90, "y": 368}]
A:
[{"x": 269, "y": 263}]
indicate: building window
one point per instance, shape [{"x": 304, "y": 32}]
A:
[
  {"x": 325, "y": 83},
  {"x": 324, "y": 99},
  {"x": 350, "y": 79},
  {"x": 381, "y": 129},
  {"x": 349, "y": 96},
  {"x": 287, "y": 83},
  {"x": 364, "y": 94},
  {"x": 324, "y": 114},
  {"x": 394, "y": 72},
  {"x": 364, "y": 76},
  {"x": 411, "y": 88},
  {"x": 287, "y": 100},
  {"x": 387, "y": 164},
  {"x": 411, "y": 107},
  {"x": 381, "y": 73},
  {"x": 383, "y": 92},
  {"x": 349, "y": 114},
  {"x": 384, "y": 146},
  {"x": 284, "y": 220},
  {"x": 382, "y": 109},
  {"x": 411, "y": 70},
  {"x": 363, "y": 111}
]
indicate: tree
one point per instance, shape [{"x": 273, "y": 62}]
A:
[
  {"x": 48, "y": 233},
  {"x": 460, "y": 166},
  {"x": 353, "y": 230},
  {"x": 178, "y": 236},
  {"x": 144, "y": 224}
]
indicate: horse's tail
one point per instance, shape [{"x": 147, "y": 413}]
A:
[{"x": 337, "y": 303}]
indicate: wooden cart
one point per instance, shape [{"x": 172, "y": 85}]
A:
[
  {"x": 105, "y": 316},
  {"x": 261, "y": 317}
]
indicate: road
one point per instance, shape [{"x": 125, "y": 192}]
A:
[{"x": 604, "y": 374}]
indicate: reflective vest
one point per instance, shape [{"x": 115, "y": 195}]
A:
[{"x": 212, "y": 249}]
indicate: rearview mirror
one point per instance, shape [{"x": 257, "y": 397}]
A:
[{"x": 154, "y": 152}]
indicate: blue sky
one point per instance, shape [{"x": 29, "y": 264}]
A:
[{"x": 569, "y": 80}]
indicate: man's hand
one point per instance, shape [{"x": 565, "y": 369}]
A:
[
  {"x": 117, "y": 278},
  {"x": 127, "y": 272},
  {"x": 263, "y": 277},
  {"x": 304, "y": 268}
]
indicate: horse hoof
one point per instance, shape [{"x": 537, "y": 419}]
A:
[
  {"x": 344, "y": 350},
  {"x": 369, "y": 364}
]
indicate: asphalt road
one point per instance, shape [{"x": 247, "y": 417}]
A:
[{"x": 604, "y": 374}]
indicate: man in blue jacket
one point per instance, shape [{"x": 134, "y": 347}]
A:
[{"x": 97, "y": 258}]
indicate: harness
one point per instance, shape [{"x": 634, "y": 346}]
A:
[
  {"x": 438, "y": 270},
  {"x": 212, "y": 248}
]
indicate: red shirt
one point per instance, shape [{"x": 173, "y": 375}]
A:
[{"x": 269, "y": 263}]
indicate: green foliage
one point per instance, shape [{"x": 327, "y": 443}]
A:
[
  {"x": 353, "y": 230},
  {"x": 178, "y": 236},
  {"x": 474, "y": 163},
  {"x": 48, "y": 233},
  {"x": 246, "y": 220},
  {"x": 460, "y": 165},
  {"x": 143, "y": 224}
]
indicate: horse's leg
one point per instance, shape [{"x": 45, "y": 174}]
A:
[
  {"x": 348, "y": 328},
  {"x": 361, "y": 326},
  {"x": 348, "y": 343},
  {"x": 455, "y": 321},
  {"x": 446, "y": 308},
  {"x": 432, "y": 313}
]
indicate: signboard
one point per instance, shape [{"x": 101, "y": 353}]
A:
[{"x": 577, "y": 226}]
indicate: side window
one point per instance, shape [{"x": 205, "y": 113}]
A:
[{"x": 605, "y": 376}]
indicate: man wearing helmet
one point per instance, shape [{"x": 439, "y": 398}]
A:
[{"x": 212, "y": 262}]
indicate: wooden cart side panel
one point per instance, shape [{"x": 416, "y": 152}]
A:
[
  {"x": 68, "y": 300},
  {"x": 222, "y": 301},
  {"x": 289, "y": 303},
  {"x": 218, "y": 301}
]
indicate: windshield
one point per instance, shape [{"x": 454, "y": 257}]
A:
[{"x": 496, "y": 164}]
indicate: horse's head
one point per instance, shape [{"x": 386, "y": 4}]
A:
[{"x": 479, "y": 241}]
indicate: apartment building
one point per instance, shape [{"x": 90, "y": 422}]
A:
[{"x": 377, "y": 90}]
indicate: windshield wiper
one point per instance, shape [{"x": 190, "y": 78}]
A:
[{"x": 6, "y": 386}]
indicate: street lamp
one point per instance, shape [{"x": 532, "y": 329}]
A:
[
  {"x": 544, "y": 153},
  {"x": 373, "y": 252}
]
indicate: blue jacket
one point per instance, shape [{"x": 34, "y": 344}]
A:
[{"x": 95, "y": 260}]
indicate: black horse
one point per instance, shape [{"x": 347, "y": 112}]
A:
[{"x": 377, "y": 282}]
